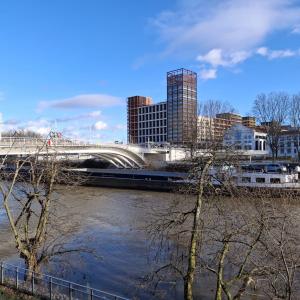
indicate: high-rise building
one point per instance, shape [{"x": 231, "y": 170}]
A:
[
  {"x": 181, "y": 106},
  {"x": 153, "y": 123},
  {"x": 133, "y": 104}
]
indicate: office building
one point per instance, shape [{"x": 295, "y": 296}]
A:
[
  {"x": 181, "y": 106},
  {"x": 152, "y": 123},
  {"x": 133, "y": 105},
  {"x": 173, "y": 121}
]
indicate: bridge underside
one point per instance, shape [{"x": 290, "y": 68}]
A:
[
  {"x": 119, "y": 158},
  {"x": 118, "y": 161}
]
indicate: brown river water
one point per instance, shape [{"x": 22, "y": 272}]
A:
[{"x": 109, "y": 221}]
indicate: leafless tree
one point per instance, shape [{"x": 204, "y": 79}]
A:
[
  {"x": 183, "y": 223},
  {"x": 272, "y": 111},
  {"x": 28, "y": 189},
  {"x": 21, "y": 133},
  {"x": 294, "y": 116}
]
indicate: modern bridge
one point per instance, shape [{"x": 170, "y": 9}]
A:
[{"x": 119, "y": 155}]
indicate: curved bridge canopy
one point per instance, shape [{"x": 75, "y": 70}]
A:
[{"x": 120, "y": 157}]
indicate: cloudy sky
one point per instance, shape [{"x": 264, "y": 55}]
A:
[{"x": 69, "y": 65}]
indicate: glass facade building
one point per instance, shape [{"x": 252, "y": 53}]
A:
[
  {"x": 153, "y": 123},
  {"x": 181, "y": 106}
]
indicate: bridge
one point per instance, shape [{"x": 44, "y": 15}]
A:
[{"x": 119, "y": 155}]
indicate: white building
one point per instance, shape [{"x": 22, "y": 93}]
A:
[
  {"x": 289, "y": 144},
  {"x": 152, "y": 123},
  {"x": 251, "y": 140},
  {"x": 205, "y": 128}
]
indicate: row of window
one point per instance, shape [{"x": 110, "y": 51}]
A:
[
  {"x": 152, "y": 116},
  {"x": 287, "y": 151},
  {"x": 289, "y": 138},
  {"x": 153, "y": 108},
  {"x": 261, "y": 180},
  {"x": 153, "y": 138},
  {"x": 161, "y": 130},
  {"x": 157, "y": 123}
]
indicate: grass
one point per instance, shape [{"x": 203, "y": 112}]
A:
[{"x": 10, "y": 294}]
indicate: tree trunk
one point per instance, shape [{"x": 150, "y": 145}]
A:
[
  {"x": 32, "y": 266},
  {"x": 192, "y": 255},
  {"x": 220, "y": 271}
]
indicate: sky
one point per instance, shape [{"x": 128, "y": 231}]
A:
[{"x": 69, "y": 65}]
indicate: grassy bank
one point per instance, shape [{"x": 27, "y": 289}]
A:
[{"x": 10, "y": 294}]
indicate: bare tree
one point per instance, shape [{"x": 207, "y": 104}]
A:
[
  {"x": 294, "y": 116},
  {"x": 272, "y": 111},
  {"x": 207, "y": 125},
  {"x": 21, "y": 133},
  {"x": 183, "y": 223},
  {"x": 28, "y": 191}
]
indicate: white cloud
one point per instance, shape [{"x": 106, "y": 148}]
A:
[
  {"x": 229, "y": 24},
  {"x": 208, "y": 74},
  {"x": 100, "y": 125},
  {"x": 41, "y": 126},
  {"x": 217, "y": 57},
  {"x": 82, "y": 101},
  {"x": 225, "y": 33},
  {"x": 120, "y": 127},
  {"x": 273, "y": 54},
  {"x": 296, "y": 29},
  {"x": 91, "y": 115},
  {"x": 263, "y": 51}
]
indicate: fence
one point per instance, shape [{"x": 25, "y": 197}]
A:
[
  {"x": 49, "y": 287},
  {"x": 8, "y": 142}
]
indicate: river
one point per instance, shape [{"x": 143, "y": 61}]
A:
[{"x": 110, "y": 221}]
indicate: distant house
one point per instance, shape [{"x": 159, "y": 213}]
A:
[{"x": 245, "y": 139}]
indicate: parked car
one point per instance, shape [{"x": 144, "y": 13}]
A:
[{"x": 275, "y": 168}]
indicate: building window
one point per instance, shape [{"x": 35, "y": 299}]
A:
[
  {"x": 246, "y": 179},
  {"x": 275, "y": 180},
  {"x": 260, "y": 180}
]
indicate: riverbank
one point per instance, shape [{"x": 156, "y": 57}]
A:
[{"x": 7, "y": 293}]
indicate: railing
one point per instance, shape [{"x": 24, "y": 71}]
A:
[
  {"x": 38, "y": 142},
  {"x": 50, "y": 287}
]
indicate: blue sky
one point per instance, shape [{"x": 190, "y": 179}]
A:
[{"x": 70, "y": 64}]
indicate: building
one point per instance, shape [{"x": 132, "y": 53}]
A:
[
  {"x": 173, "y": 121},
  {"x": 223, "y": 121},
  {"x": 133, "y": 105},
  {"x": 181, "y": 106},
  {"x": 249, "y": 121},
  {"x": 216, "y": 127},
  {"x": 206, "y": 129},
  {"x": 289, "y": 143},
  {"x": 152, "y": 123},
  {"x": 240, "y": 137}
]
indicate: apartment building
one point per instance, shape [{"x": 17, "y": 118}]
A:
[
  {"x": 152, "y": 123},
  {"x": 289, "y": 143},
  {"x": 216, "y": 127},
  {"x": 133, "y": 105}
]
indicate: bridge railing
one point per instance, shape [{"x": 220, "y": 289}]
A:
[
  {"x": 8, "y": 142},
  {"x": 49, "y": 286}
]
